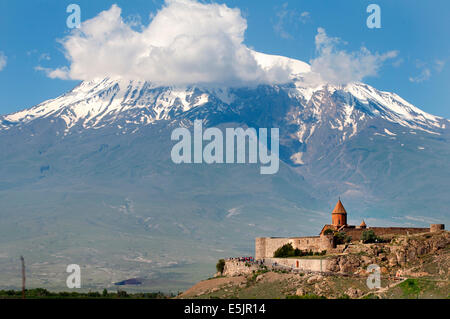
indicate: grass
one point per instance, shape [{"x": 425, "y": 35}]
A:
[
  {"x": 255, "y": 274},
  {"x": 420, "y": 288},
  {"x": 40, "y": 293},
  {"x": 210, "y": 278},
  {"x": 410, "y": 288}
]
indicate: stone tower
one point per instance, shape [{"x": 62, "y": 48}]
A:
[
  {"x": 436, "y": 227},
  {"x": 339, "y": 215}
]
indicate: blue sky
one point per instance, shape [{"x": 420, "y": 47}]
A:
[{"x": 418, "y": 30}]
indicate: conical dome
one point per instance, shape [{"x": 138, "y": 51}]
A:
[
  {"x": 339, "y": 215},
  {"x": 339, "y": 208}
]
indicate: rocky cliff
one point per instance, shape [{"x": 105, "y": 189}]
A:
[{"x": 411, "y": 267}]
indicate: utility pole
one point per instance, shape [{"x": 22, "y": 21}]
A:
[{"x": 23, "y": 276}]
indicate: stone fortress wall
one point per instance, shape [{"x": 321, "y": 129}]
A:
[
  {"x": 307, "y": 265},
  {"x": 265, "y": 247},
  {"x": 356, "y": 233},
  {"x": 235, "y": 267}
]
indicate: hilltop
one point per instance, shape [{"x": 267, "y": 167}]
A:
[{"x": 414, "y": 266}]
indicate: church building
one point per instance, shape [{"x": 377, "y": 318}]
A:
[{"x": 266, "y": 246}]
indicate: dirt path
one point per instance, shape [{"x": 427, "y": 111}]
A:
[{"x": 384, "y": 289}]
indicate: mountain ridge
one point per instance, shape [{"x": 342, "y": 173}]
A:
[
  {"x": 90, "y": 171},
  {"x": 94, "y": 100}
]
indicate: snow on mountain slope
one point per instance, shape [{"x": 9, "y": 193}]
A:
[
  {"x": 345, "y": 109},
  {"x": 393, "y": 108},
  {"x": 102, "y": 102},
  {"x": 268, "y": 61},
  {"x": 95, "y": 104}
]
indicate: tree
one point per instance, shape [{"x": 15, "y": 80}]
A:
[
  {"x": 220, "y": 265},
  {"x": 368, "y": 236},
  {"x": 328, "y": 231},
  {"x": 341, "y": 237},
  {"x": 105, "y": 293},
  {"x": 284, "y": 251}
]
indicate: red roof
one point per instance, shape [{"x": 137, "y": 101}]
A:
[{"x": 339, "y": 208}]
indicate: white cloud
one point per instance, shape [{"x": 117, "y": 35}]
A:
[
  {"x": 424, "y": 75},
  {"x": 439, "y": 65},
  {"x": 186, "y": 42},
  {"x": 44, "y": 56},
  {"x": 340, "y": 67},
  {"x": 304, "y": 15},
  {"x": 3, "y": 60},
  {"x": 426, "y": 71},
  {"x": 60, "y": 73},
  {"x": 422, "y": 219},
  {"x": 397, "y": 63},
  {"x": 288, "y": 19}
]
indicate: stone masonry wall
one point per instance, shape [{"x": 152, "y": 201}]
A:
[
  {"x": 299, "y": 263},
  {"x": 235, "y": 268},
  {"x": 356, "y": 233},
  {"x": 265, "y": 247}
]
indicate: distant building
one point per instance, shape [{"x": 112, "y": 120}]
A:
[{"x": 266, "y": 246}]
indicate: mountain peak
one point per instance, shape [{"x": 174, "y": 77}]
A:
[{"x": 102, "y": 102}]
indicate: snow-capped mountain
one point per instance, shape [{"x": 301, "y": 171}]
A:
[
  {"x": 314, "y": 122},
  {"x": 93, "y": 166},
  {"x": 98, "y": 103}
]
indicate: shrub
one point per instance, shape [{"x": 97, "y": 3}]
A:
[
  {"x": 341, "y": 237},
  {"x": 220, "y": 265},
  {"x": 40, "y": 292},
  {"x": 10, "y": 292},
  {"x": 256, "y": 274},
  {"x": 288, "y": 251},
  {"x": 284, "y": 251},
  {"x": 368, "y": 236},
  {"x": 328, "y": 231}
]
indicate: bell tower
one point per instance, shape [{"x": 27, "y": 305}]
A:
[{"x": 339, "y": 215}]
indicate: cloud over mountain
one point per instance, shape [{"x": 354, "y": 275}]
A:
[
  {"x": 340, "y": 67},
  {"x": 186, "y": 42}
]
